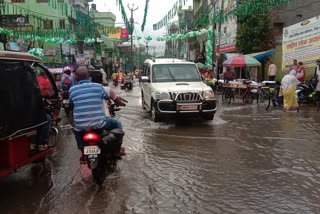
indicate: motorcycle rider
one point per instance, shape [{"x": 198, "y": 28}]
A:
[
  {"x": 88, "y": 108},
  {"x": 114, "y": 77},
  {"x": 67, "y": 80},
  {"x": 98, "y": 78}
]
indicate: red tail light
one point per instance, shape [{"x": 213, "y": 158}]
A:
[
  {"x": 92, "y": 143},
  {"x": 91, "y": 137}
]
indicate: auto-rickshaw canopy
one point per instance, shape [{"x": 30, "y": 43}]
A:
[{"x": 21, "y": 101}]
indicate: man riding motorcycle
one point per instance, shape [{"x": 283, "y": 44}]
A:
[
  {"x": 88, "y": 109},
  {"x": 96, "y": 77},
  {"x": 115, "y": 78},
  {"x": 67, "y": 80}
]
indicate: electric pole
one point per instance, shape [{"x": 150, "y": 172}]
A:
[
  {"x": 132, "y": 9},
  {"x": 213, "y": 35},
  {"x": 147, "y": 49}
]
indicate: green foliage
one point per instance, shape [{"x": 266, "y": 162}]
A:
[{"x": 253, "y": 34}]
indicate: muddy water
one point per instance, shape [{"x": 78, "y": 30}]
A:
[{"x": 245, "y": 161}]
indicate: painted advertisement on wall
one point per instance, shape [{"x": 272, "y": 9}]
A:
[
  {"x": 301, "y": 41},
  {"x": 228, "y": 34},
  {"x": 115, "y": 33}
]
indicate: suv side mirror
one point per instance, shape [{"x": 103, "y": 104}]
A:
[{"x": 144, "y": 79}]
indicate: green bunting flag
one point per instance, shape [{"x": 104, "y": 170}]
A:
[{"x": 145, "y": 16}]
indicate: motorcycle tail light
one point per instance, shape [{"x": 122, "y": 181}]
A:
[
  {"x": 91, "y": 137},
  {"x": 92, "y": 143}
]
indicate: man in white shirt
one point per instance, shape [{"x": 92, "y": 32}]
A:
[{"x": 272, "y": 71}]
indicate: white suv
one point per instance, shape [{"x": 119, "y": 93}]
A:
[{"x": 173, "y": 86}]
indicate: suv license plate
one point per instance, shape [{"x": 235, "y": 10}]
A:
[
  {"x": 65, "y": 101},
  {"x": 188, "y": 107},
  {"x": 92, "y": 150}
]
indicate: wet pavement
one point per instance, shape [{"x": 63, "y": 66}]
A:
[{"x": 245, "y": 161}]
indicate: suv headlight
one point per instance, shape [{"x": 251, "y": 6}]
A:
[
  {"x": 162, "y": 95},
  {"x": 208, "y": 94}
]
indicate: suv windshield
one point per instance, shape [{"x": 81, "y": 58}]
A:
[{"x": 175, "y": 73}]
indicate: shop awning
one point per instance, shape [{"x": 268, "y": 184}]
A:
[{"x": 260, "y": 56}]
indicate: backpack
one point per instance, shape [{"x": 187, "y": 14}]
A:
[{"x": 66, "y": 84}]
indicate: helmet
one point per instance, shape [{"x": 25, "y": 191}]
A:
[{"x": 67, "y": 68}]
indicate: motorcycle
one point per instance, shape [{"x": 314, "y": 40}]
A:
[
  {"x": 100, "y": 145},
  {"x": 112, "y": 108},
  {"x": 305, "y": 93},
  {"x": 65, "y": 103},
  {"x": 115, "y": 82},
  {"x": 127, "y": 83}
]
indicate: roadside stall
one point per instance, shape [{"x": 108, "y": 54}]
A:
[
  {"x": 240, "y": 88},
  {"x": 262, "y": 57}
]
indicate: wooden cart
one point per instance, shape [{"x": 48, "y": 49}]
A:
[{"x": 235, "y": 90}]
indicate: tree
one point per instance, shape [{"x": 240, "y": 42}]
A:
[{"x": 255, "y": 34}]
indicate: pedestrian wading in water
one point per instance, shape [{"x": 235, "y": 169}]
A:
[{"x": 288, "y": 88}]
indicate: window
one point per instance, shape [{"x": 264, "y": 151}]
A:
[
  {"x": 175, "y": 73},
  {"x": 42, "y": 1},
  {"x": 62, "y": 24},
  {"x": 17, "y": 1},
  {"x": 146, "y": 70},
  {"x": 47, "y": 24}
]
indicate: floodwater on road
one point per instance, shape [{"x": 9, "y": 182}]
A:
[{"x": 245, "y": 161}]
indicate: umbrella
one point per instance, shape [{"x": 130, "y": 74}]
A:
[
  {"x": 201, "y": 65},
  {"x": 241, "y": 60}
]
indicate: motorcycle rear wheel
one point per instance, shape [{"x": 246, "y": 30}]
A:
[{"x": 98, "y": 173}]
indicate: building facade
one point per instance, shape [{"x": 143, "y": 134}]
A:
[{"x": 65, "y": 19}]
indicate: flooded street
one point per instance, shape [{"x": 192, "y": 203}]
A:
[{"x": 245, "y": 161}]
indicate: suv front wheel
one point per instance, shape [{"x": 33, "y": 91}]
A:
[{"x": 154, "y": 114}]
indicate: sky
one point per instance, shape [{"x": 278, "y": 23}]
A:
[{"x": 157, "y": 10}]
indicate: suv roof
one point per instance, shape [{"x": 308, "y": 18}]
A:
[
  {"x": 11, "y": 55},
  {"x": 166, "y": 61}
]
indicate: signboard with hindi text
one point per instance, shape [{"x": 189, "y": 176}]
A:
[
  {"x": 301, "y": 41},
  {"x": 82, "y": 59},
  {"x": 226, "y": 39}
]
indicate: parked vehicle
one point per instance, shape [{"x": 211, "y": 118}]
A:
[
  {"x": 172, "y": 87},
  {"x": 23, "y": 109},
  {"x": 306, "y": 92}
]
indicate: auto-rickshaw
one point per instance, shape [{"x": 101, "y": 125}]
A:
[{"x": 22, "y": 109}]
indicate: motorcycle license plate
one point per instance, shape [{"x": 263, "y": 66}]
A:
[
  {"x": 92, "y": 150},
  {"x": 65, "y": 101},
  {"x": 188, "y": 107}
]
